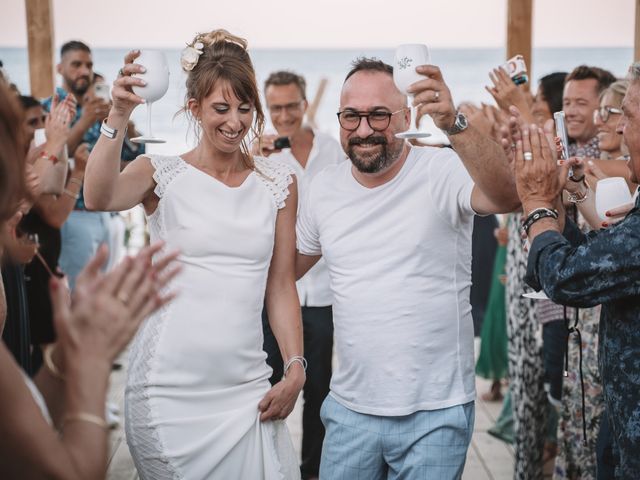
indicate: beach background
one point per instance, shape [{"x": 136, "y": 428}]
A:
[{"x": 465, "y": 71}]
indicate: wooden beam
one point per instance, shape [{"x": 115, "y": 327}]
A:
[
  {"x": 636, "y": 49},
  {"x": 40, "y": 40},
  {"x": 519, "y": 29}
]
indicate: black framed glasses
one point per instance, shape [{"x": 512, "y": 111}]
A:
[
  {"x": 378, "y": 120},
  {"x": 603, "y": 113}
]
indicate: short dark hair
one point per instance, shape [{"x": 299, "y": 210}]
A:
[
  {"x": 72, "y": 46},
  {"x": 284, "y": 77},
  {"x": 552, "y": 86},
  {"x": 585, "y": 72},
  {"x": 28, "y": 102},
  {"x": 370, "y": 64}
]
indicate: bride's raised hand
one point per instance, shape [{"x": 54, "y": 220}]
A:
[{"x": 124, "y": 100}]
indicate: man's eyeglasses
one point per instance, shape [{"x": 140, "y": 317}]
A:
[
  {"x": 293, "y": 107},
  {"x": 378, "y": 120},
  {"x": 35, "y": 121},
  {"x": 603, "y": 113}
]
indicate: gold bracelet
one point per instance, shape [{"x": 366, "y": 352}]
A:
[
  {"x": 48, "y": 362},
  {"x": 85, "y": 417},
  {"x": 75, "y": 180}
]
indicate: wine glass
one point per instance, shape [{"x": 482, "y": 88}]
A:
[
  {"x": 157, "y": 78},
  {"x": 610, "y": 193},
  {"x": 407, "y": 58}
]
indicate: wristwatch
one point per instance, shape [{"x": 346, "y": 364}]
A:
[{"x": 460, "y": 125}]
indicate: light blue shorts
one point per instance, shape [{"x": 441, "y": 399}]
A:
[
  {"x": 429, "y": 444},
  {"x": 82, "y": 234}
]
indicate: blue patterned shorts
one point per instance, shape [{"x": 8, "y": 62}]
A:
[{"x": 424, "y": 445}]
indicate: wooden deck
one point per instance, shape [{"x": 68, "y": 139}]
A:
[{"x": 488, "y": 458}]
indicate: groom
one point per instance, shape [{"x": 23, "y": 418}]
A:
[{"x": 394, "y": 227}]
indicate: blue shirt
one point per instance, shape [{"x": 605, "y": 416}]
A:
[
  {"x": 91, "y": 137},
  {"x": 602, "y": 267}
]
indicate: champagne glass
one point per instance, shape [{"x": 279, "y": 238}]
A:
[
  {"x": 610, "y": 193},
  {"x": 157, "y": 78},
  {"x": 406, "y": 59}
]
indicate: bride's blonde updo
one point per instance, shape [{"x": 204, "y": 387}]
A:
[{"x": 220, "y": 56}]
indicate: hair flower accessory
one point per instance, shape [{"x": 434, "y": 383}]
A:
[{"x": 190, "y": 56}]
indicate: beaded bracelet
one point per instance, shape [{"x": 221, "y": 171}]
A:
[
  {"x": 296, "y": 358},
  {"x": 538, "y": 214},
  {"x": 44, "y": 154},
  {"x": 85, "y": 417}
]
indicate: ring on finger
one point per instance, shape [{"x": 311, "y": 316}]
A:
[
  {"x": 121, "y": 73},
  {"x": 436, "y": 96},
  {"x": 527, "y": 156}
]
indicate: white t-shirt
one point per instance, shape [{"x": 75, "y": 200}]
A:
[
  {"x": 313, "y": 288},
  {"x": 399, "y": 259}
]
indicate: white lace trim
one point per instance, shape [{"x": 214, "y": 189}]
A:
[
  {"x": 146, "y": 447},
  {"x": 166, "y": 170},
  {"x": 276, "y": 177}
]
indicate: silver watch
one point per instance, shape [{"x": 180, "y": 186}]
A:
[{"x": 460, "y": 125}]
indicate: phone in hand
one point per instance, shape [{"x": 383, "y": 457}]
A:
[
  {"x": 102, "y": 91},
  {"x": 561, "y": 133},
  {"x": 281, "y": 142},
  {"x": 516, "y": 68}
]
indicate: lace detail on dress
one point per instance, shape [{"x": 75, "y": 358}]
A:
[
  {"x": 276, "y": 177},
  {"x": 166, "y": 169},
  {"x": 148, "y": 456}
]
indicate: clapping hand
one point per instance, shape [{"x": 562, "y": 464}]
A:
[
  {"x": 505, "y": 92},
  {"x": 107, "y": 308}
]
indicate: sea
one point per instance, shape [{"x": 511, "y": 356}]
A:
[{"x": 465, "y": 71}]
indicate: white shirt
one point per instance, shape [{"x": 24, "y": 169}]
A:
[
  {"x": 399, "y": 260},
  {"x": 313, "y": 288}
]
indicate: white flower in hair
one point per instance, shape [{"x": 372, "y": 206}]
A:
[{"x": 190, "y": 56}]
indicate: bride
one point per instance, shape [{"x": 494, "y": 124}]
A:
[{"x": 198, "y": 403}]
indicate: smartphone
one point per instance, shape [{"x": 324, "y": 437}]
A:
[
  {"x": 516, "y": 68},
  {"x": 282, "y": 142},
  {"x": 102, "y": 91},
  {"x": 561, "y": 132}
]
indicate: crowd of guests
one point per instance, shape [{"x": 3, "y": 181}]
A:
[{"x": 569, "y": 361}]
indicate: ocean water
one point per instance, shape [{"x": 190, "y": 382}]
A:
[{"x": 464, "y": 70}]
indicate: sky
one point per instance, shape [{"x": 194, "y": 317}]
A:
[{"x": 325, "y": 23}]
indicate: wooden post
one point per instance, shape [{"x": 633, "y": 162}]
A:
[
  {"x": 519, "y": 31},
  {"x": 636, "y": 49},
  {"x": 40, "y": 38}
]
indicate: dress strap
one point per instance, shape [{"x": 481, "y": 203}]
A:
[
  {"x": 166, "y": 169},
  {"x": 276, "y": 176}
]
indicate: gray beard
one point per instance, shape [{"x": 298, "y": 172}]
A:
[{"x": 376, "y": 162}]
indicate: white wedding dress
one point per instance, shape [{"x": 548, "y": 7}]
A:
[{"x": 197, "y": 369}]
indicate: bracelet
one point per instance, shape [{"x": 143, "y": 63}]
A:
[
  {"x": 538, "y": 214},
  {"x": 85, "y": 417},
  {"x": 44, "y": 154},
  {"x": 108, "y": 131},
  {"x": 48, "y": 362},
  {"x": 71, "y": 194},
  {"x": 577, "y": 197},
  {"x": 75, "y": 180},
  {"x": 296, "y": 358}
]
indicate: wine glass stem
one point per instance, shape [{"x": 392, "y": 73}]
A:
[
  {"x": 150, "y": 133},
  {"x": 413, "y": 112}
]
